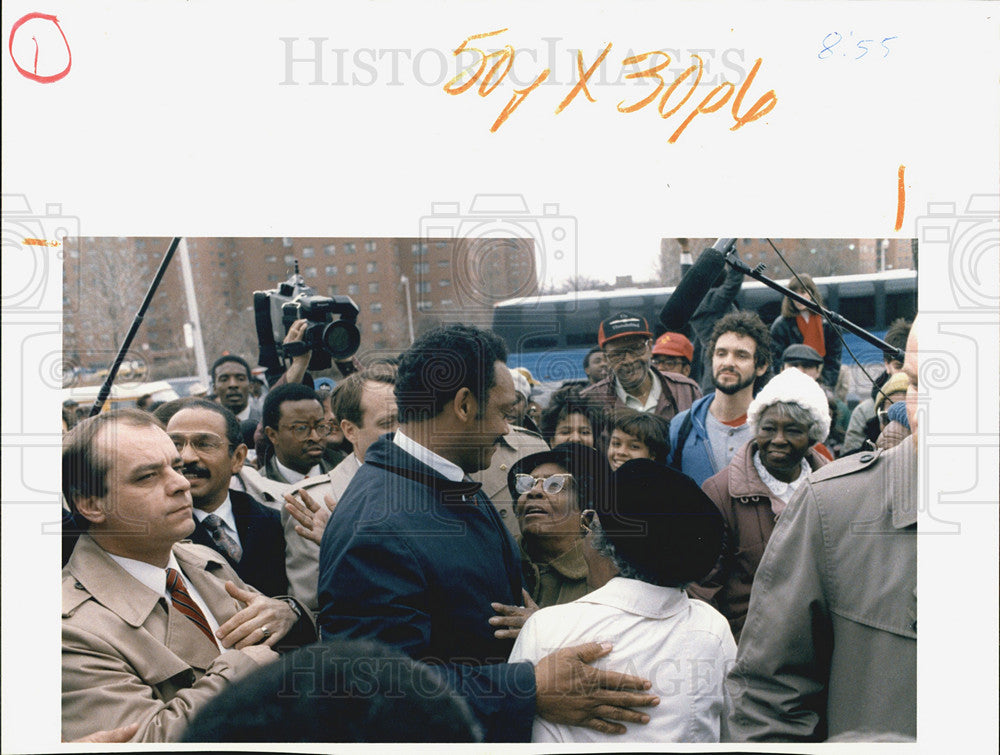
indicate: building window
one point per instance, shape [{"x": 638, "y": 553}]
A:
[
  {"x": 271, "y": 258},
  {"x": 375, "y": 306},
  {"x": 419, "y": 249},
  {"x": 369, "y": 246},
  {"x": 331, "y": 269},
  {"x": 376, "y": 327},
  {"x": 446, "y": 302},
  {"x": 286, "y": 242},
  {"x": 310, "y": 272},
  {"x": 444, "y": 263},
  {"x": 349, "y": 248},
  {"x": 353, "y": 289},
  {"x": 351, "y": 268},
  {"x": 333, "y": 290},
  {"x": 308, "y": 251},
  {"x": 440, "y": 244},
  {"x": 423, "y": 287},
  {"x": 373, "y": 288},
  {"x": 444, "y": 282},
  {"x": 421, "y": 268},
  {"x": 370, "y": 267},
  {"x": 330, "y": 249},
  {"x": 423, "y": 306},
  {"x": 289, "y": 259}
]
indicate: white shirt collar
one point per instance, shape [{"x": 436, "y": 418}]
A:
[
  {"x": 636, "y": 597},
  {"x": 292, "y": 476},
  {"x": 245, "y": 414},
  {"x": 439, "y": 464},
  {"x": 224, "y": 512},
  {"x": 781, "y": 489},
  {"x": 632, "y": 402},
  {"x": 153, "y": 577}
]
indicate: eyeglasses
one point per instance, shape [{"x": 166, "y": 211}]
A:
[
  {"x": 301, "y": 431},
  {"x": 617, "y": 355},
  {"x": 200, "y": 442},
  {"x": 550, "y": 485}
]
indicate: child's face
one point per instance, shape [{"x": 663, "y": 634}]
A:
[{"x": 623, "y": 447}]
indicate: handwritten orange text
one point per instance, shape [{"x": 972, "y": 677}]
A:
[
  {"x": 40, "y": 242},
  {"x": 900, "y": 197},
  {"x": 671, "y": 97}
]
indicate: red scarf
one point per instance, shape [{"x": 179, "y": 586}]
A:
[{"x": 812, "y": 332}]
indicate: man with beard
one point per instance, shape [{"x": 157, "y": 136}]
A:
[
  {"x": 231, "y": 385},
  {"x": 626, "y": 341},
  {"x": 247, "y": 533},
  {"x": 704, "y": 439}
]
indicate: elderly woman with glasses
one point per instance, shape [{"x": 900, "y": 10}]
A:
[
  {"x": 551, "y": 489},
  {"x": 789, "y": 416}
]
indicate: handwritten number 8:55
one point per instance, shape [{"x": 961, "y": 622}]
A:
[{"x": 862, "y": 45}]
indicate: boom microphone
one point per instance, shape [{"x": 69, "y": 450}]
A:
[{"x": 694, "y": 285}]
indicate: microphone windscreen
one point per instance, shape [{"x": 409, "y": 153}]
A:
[{"x": 692, "y": 289}]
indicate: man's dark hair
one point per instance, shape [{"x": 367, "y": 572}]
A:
[
  {"x": 230, "y": 358},
  {"x": 234, "y": 433},
  {"x": 440, "y": 363},
  {"x": 350, "y": 390},
  {"x": 744, "y": 324},
  {"x": 589, "y": 354},
  {"x": 84, "y": 471},
  {"x": 896, "y": 335},
  {"x": 271, "y": 413},
  {"x": 338, "y": 691}
]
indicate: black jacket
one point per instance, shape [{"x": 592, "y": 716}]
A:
[{"x": 263, "y": 541}]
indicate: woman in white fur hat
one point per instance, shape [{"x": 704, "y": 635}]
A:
[{"x": 789, "y": 417}]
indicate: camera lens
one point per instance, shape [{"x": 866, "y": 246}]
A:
[{"x": 341, "y": 339}]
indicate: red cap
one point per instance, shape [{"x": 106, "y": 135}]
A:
[{"x": 673, "y": 345}]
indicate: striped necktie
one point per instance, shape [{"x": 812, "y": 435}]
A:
[
  {"x": 224, "y": 542},
  {"x": 183, "y": 602}
]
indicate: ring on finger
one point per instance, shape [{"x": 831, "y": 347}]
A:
[{"x": 265, "y": 631}]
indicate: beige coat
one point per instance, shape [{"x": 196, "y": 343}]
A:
[
  {"x": 302, "y": 555},
  {"x": 830, "y": 641},
  {"x": 126, "y": 659},
  {"x": 515, "y": 445}
]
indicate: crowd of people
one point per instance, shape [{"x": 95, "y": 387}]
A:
[{"x": 432, "y": 550}]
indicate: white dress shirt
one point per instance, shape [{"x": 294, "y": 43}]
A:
[
  {"x": 292, "y": 476},
  {"x": 225, "y": 513},
  {"x": 155, "y": 579},
  {"x": 683, "y": 647},
  {"x": 633, "y": 403},
  {"x": 424, "y": 455}
]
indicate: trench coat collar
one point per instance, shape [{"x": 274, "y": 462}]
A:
[
  {"x": 901, "y": 485},
  {"x": 120, "y": 592}
]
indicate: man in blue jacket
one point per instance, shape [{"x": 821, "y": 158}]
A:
[
  {"x": 704, "y": 439},
  {"x": 414, "y": 554}
]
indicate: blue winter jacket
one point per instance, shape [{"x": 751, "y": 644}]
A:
[
  {"x": 414, "y": 560},
  {"x": 696, "y": 457}
]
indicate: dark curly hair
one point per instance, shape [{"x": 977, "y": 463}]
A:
[
  {"x": 563, "y": 403},
  {"x": 440, "y": 363},
  {"x": 744, "y": 324}
]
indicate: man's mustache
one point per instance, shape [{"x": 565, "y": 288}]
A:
[{"x": 193, "y": 470}]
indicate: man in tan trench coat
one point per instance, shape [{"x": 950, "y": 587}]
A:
[{"x": 152, "y": 628}]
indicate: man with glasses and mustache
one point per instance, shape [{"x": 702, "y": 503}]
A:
[
  {"x": 704, "y": 439},
  {"x": 295, "y": 425},
  {"x": 626, "y": 341},
  {"x": 249, "y": 534}
]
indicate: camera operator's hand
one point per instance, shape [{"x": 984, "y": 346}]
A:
[{"x": 297, "y": 370}]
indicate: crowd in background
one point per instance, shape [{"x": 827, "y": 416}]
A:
[{"x": 461, "y": 527}]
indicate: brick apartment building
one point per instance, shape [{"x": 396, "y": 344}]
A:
[{"x": 393, "y": 281}]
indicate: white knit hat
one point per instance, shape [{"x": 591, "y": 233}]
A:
[
  {"x": 793, "y": 387},
  {"x": 521, "y": 384}
]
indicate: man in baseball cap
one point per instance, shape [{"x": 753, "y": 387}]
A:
[
  {"x": 673, "y": 352},
  {"x": 626, "y": 341}
]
